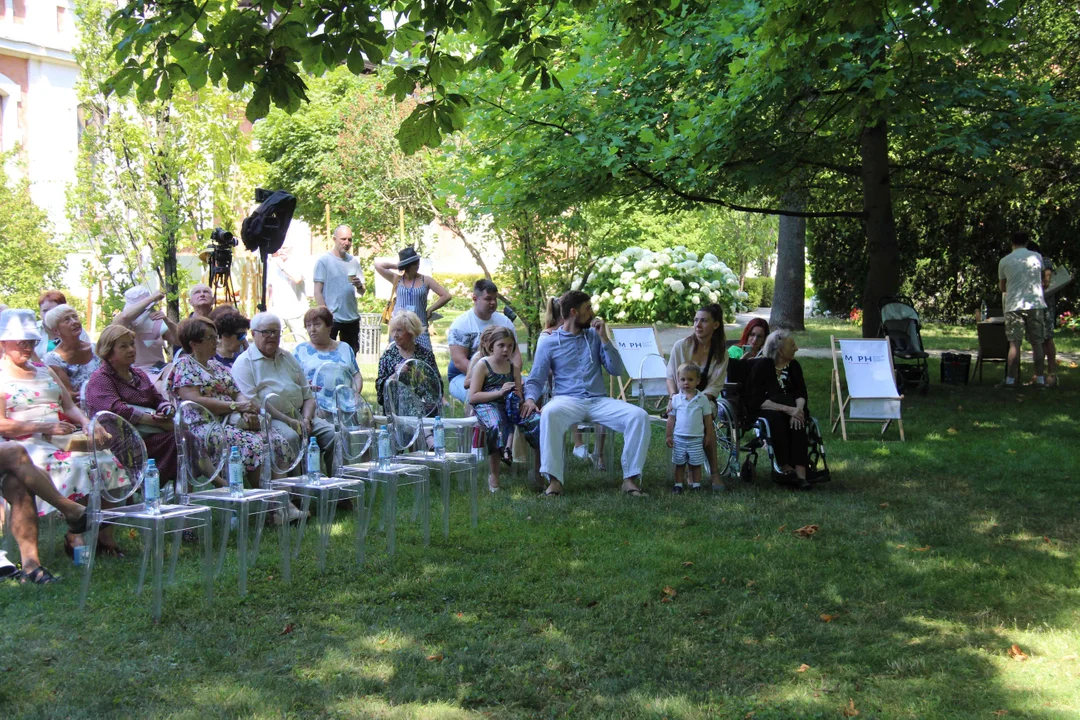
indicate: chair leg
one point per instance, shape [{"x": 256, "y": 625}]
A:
[
  {"x": 444, "y": 488},
  {"x": 390, "y": 513},
  {"x": 305, "y": 507},
  {"x": 284, "y": 543},
  {"x": 242, "y": 548},
  {"x": 157, "y": 529},
  {"x": 358, "y": 514},
  {"x": 207, "y": 547},
  {"x": 147, "y": 547},
  {"x": 474, "y": 501},
  {"x": 91, "y": 552}
]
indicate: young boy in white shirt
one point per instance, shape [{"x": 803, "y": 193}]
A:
[{"x": 689, "y": 427}]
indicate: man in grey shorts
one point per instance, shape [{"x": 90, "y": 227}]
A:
[{"x": 1020, "y": 277}]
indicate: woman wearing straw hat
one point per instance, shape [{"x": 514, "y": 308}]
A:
[
  {"x": 412, "y": 289},
  {"x": 38, "y": 413}
]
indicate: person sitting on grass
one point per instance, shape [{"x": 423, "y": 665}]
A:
[
  {"x": 689, "y": 427},
  {"x": 494, "y": 378},
  {"x": 574, "y": 356}
]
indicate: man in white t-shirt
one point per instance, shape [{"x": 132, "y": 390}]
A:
[
  {"x": 464, "y": 335},
  {"x": 286, "y": 299},
  {"x": 1020, "y": 277},
  {"x": 338, "y": 280}
]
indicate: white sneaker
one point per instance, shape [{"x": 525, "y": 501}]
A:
[{"x": 581, "y": 452}]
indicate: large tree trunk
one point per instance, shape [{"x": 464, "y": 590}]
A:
[
  {"x": 790, "y": 288},
  {"x": 883, "y": 275}
]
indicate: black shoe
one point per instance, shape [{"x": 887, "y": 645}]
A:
[{"x": 677, "y": 490}]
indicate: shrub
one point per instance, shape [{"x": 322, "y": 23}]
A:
[
  {"x": 670, "y": 285},
  {"x": 759, "y": 291}
]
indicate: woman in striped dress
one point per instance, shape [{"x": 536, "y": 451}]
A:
[{"x": 412, "y": 289}]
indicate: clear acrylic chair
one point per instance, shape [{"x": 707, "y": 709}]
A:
[
  {"x": 396, "y": 475},
  {"x": 427, "y": 385},
  {"x": 334, "y": 387},
  {"x": 411, "y": 414},
  {"x": 118, "y": 462},
  {"x": 202, "y": 453}
]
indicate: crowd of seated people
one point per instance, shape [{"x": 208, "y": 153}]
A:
[{"x": 229, "y": 365}]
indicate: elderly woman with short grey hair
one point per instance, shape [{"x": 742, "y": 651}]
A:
[
  {"x": 73, "y": 359},
  {"x": 405, "y": 328},
  {"x": 777, "y": 393}
]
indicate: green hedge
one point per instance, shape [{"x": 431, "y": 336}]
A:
[{"x": 760, "y": 290}]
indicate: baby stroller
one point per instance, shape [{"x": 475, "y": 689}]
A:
[{"x": 901, "y": 325}]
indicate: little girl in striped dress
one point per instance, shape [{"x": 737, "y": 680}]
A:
[{"x": 493, "y": 378}]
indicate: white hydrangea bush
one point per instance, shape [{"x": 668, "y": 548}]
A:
[{"x": 670, "y": 285}]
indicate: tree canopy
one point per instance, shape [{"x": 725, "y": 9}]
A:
[
  {"x": 29, "y": 261},
  {"x": 868, "y": 110}
]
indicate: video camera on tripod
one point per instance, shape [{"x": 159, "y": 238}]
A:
[
  {"x": 218, "y": 259},
  {"x": 262, "y": 231}
]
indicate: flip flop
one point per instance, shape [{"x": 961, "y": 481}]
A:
[
  {"x": 551, "y": 493},
  {"x": 635, "y": 492}
]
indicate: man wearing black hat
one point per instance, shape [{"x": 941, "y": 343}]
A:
[{"x": 411, "y": 288}]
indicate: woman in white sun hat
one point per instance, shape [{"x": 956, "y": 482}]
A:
[{"x": 35, "y": 410}]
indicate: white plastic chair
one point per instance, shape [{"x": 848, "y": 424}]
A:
[
  {"x": 202, "y": 453},
  {"x": 116, "y": 445}
]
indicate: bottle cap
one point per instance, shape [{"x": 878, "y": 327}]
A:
[{"x": 151, "y": 464}]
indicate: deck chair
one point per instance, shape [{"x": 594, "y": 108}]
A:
[{"x": 871, "y": 383}]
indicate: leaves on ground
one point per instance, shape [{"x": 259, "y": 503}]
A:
[
  {"x": 827, "y": 618},
  {"x": 802, "y": 668},
  {"x": 435, "y": 658},
  {"x": 806, "y": 531},
  {"x": 1016, "y": 653},
  {"x": 850, "y": 710},
  {"x": 288, "y": 629},
  {"x": 883, "y": 505}
]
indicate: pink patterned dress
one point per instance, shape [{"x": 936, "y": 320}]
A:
[
  {"x": 38, "y": 399},
  {"x": 215, "y": 381}
]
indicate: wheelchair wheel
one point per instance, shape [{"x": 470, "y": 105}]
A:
[{"x": 727, "y": 439}]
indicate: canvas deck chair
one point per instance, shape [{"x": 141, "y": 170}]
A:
[{"x": 872, "y": 396}]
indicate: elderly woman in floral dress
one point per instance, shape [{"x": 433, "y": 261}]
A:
[
  {"x": 200, "y": 378},
  {"x": 38, "y": 413}
]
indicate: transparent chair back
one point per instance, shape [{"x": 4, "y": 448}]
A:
[
  {"x": 354, "y": 421},
  {"x": 284, "y": 436},
  {"x": 327, "y": 379},
  {"x": 406, "y": 411},
  {"x": 200, "y": 448},
  {"x": 425, "y": 383}
]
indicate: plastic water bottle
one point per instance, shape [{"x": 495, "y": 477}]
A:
[
  {"x": 313, "y": 470},
  {"x": 384, "y": 448},
  {"x": 152, "y": 488},
  {"x": 236, "y": 473},
  {"x": 79, "y": 555},
  {"x": 440, "y": 438}
]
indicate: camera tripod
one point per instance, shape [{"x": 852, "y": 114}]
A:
[{"x": 220, "y": 270}]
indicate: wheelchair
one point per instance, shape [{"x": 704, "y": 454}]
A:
[{"x": 733, "y": 421}]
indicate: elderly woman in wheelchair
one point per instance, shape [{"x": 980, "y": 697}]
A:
[{"x": 774, "y": 400}]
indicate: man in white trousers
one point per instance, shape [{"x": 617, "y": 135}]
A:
[{"x": 573, "y": 355}]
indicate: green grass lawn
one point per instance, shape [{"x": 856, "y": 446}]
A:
[
  {"x": 932, "y": 559},
  {"x": 935, "y": 336}
]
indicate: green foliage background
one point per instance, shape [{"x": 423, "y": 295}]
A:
[{"x": 29, "y": 261}]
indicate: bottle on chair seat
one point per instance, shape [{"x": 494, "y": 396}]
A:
[
  {"x": 439, "y": 433},
  {"x": 314, "y": 473},
  {"x": 152, "y": 488},
  {"x": 236, "y": 473},
  {"x": 384, "y": 448}
]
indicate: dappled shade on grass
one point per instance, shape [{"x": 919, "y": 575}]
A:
[{"x": 931, "y": 560}]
